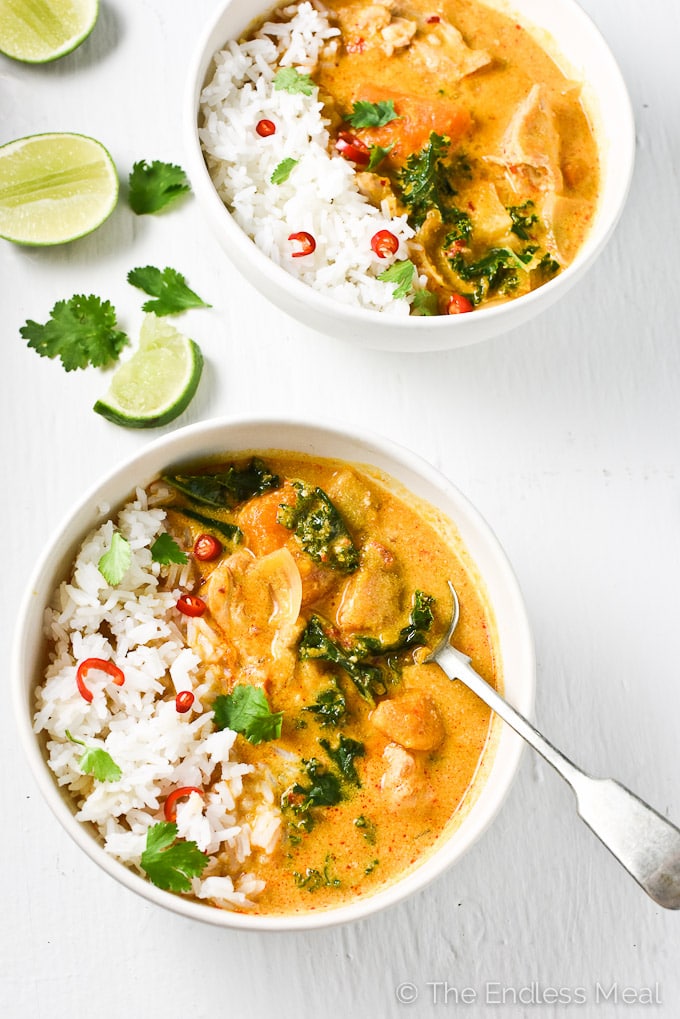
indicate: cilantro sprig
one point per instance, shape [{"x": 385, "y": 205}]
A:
[
  {"x": 171, "y": 864},
  {"x": 246, "y": 711},
  {"x": 283, "y": 170},
  {"x": 168, "y": 286},
  {"x": 365, "y": 114},
  {"x": 96, "y": 762},
  {"x": 153, "y": 186},
  {"x": 80, "y": 332},
  {"x": 403, "y": 274},
  {"x": 289, "y": 79},
  {"x": 115, "y": 562},
  {"x": 165, "y": 551}
]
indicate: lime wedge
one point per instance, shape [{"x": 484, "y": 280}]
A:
[
  {"x": 37, "y": 31},
  {"x": 159, "y": 380},
  {"x": 55, "y": 188}
]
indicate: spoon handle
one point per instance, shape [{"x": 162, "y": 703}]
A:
[{"x": 644, "y": 842}]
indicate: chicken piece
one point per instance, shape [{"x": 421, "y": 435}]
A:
[
  {"x": 397, "y": 34},
  {"x": 491, "y": 223},
  {"x": 402, "y": 780},
  {"x": 372, "y": 597},
  {"x": 530, "y": 147},
  {"x": 362, "y": 24},
  {"x": 354, "y": 500},
  {"x": 256, "y": 603},
  {"x": 411, "y": 719},
  {"x": 443, "y": 50}
]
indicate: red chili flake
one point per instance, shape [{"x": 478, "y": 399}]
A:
[
  {"x": 306, "y": 242},
  {"x": 458, "y": 305},
  {"x": 455, "y": 248},
  {"x": 265, "y": 128},
  {"x": 101, "y": 665},
  {"x": 207, "y": 548},
  {"x": 170, "y": 806},
  {"x": 355, "y": 45},
  {"x": 434, "y": 19},
  {"x": 191, "y": 605},
  {"x": 384, "y": 243},
  {"x": 352, "y": 148},
  {"x": 184, "y": 701}
]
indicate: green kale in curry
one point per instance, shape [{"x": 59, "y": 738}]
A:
[
  {"x": 226, "y": 489},
  {"x": 320, "y": 529}
]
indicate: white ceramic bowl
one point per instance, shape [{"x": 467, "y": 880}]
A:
[
  {"x": 570, "y": 36},
  {"x": 223, "y": 437}
]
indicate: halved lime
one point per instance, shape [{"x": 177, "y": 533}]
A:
[
  {"x": 37, "y": 31},
  {"x": 159, "y": 380},
  {"x": 55, "y": 188}
]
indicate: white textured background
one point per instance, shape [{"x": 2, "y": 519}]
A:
[{"x": 566, "y": 435}]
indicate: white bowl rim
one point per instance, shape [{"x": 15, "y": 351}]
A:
[
  {"x": 475, "y": 822},
  {"x": 301, "y": 293}
]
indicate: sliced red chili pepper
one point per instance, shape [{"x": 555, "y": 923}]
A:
[
  {"x": 184, "y": 701},
  {"x": 207, "y": 548},
  {"x": 191, "y": 605},
  {"x": 352, "y": 148},
  {"x": 306, "y": 242},
  {"x": 170, "y": 807},
  {"x": 102, "y": 665},
  {"x": 458, "y": 305},
  {"x": 384, "y": 243},
  {"x": 265, "y": 128}
]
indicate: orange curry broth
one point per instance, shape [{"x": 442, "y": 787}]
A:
[
  {"x": 398, "y": 827},
  {"x": 475, "y": 112}
]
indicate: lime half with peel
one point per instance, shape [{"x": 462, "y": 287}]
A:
[
  {"x": 158, "y": 382},
  {"x": 55, "y": 188},
  {"x": 37, "y": 31}
]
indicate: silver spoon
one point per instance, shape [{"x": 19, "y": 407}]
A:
[{"x": 643, "y": 841}]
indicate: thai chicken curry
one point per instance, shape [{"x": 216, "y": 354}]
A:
[
  {"x": 317, "y": 590},
  {"x": 453, "y": 114}
]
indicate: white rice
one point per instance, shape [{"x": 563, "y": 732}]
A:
[
  {"x": 320, "y": 195},
  {"x": 137, "y": 625}
]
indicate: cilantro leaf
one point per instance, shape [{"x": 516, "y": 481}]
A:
[
  {"x": 165, "y": 550},
  {"x": 246, "y": 710},
  {"x": 114, "y": 564},
  {"x": 424, "y": 303},
  {"x": 170, "y": 864},
  {"x": 403, "y": 274},
  {"x": 168, "y": 286},
  {"x": 376, "y": 155},
  {"x": 97, "y": 762},
  {"x": 154, "y": 185},
  {"x": 289, "y": 79},
  {"x": 365, "y": 114},
  {"x": 283, "y": 171},
  {"x": 80, "y": 331}
]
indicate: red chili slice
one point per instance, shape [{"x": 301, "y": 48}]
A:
[
  {"x": 191, "y": 605},
  {"x": 102, "y": 665},
  {"x": 207, "y": 548},
  {"x": 384, "y": 243},
  {"x": 352, "y": 148},
  {"x": 170, "y": 807},
  {"x": 458, "y": 305},
  {"x": 184, "y": 701},
  {"x": 306, "y": 242},
  {"x": 265, "y": 128}
]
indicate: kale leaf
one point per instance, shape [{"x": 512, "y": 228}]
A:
[
  {"x": 425, "y": 183},
  {"x": 320, "y": 529},
  {"x": 226, "y": 489},
  {"x": 330, "y": 707},
  {"x": 343, "y": 756},
  {"x": 316, "y": 644},
  {"x": 522, "y": 219}
]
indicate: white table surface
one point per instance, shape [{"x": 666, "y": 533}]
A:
[{"x": 565, "y": 434}]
